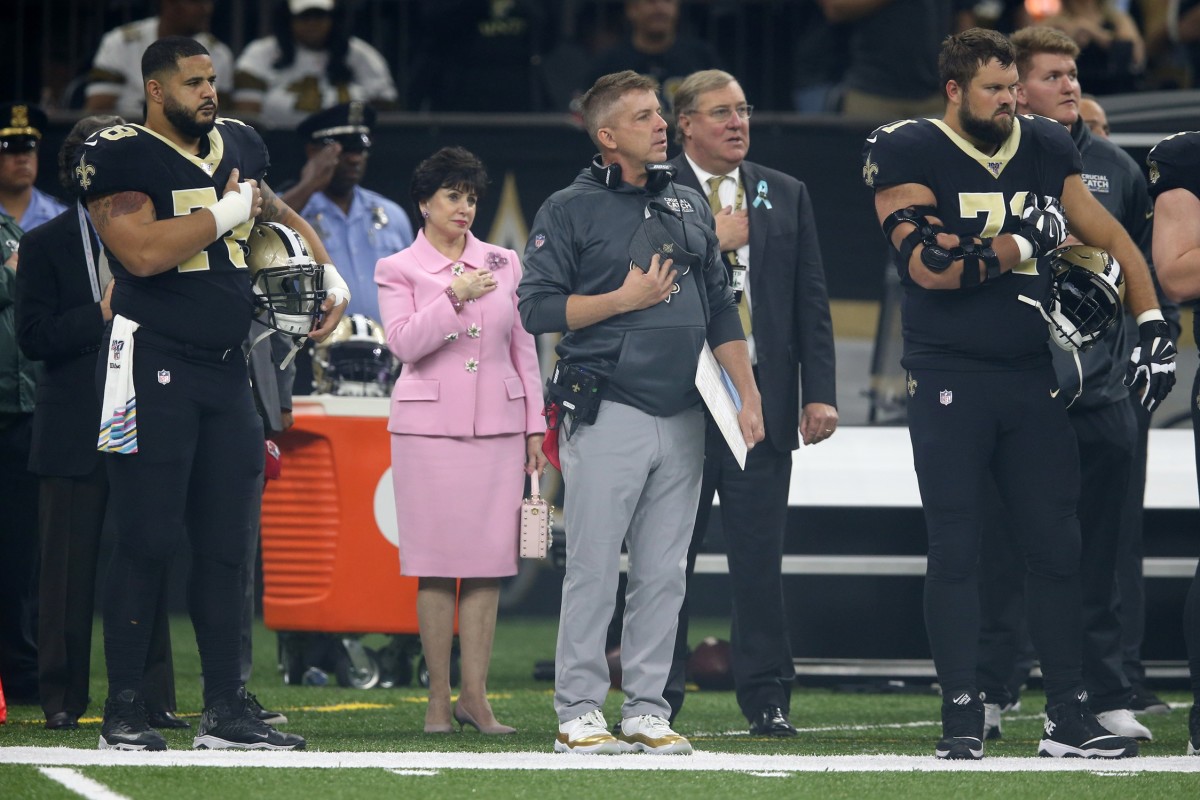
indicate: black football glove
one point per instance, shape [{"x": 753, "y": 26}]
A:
[
  {"x": 1043, "y": 223},
  {"x": 1152, "y": 362}
]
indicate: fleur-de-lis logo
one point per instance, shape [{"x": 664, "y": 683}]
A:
[
  {"x": 870, "y": 170},
  {"x": 85, "y": 171},
  {"x": 1154, "y": 174},
  {"x": 912, "y": 385}
]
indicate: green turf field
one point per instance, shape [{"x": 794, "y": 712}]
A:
[{"x": 354, "y": 729}]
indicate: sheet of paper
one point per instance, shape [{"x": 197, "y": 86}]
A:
[{"x": 722, "y": 400}]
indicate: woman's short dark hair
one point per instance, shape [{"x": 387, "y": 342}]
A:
[
  {"x": 450, "y": 167},
  {"x": 68, "y": 154}
]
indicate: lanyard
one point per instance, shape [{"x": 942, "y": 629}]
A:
[{"x": 86, "y": 236}]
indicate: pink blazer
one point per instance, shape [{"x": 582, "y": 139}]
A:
[{"x": 471, "y": 373}]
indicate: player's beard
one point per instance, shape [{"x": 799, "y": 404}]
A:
[
  {"x": 184, "y": 119},
  {"x": 993, "y": 131}
]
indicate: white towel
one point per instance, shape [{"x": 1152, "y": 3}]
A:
[{"x": 118, "y": 411}]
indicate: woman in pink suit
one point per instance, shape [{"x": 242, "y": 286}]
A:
[{"x": 466, "y": 426}]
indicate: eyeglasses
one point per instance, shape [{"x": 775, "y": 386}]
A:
[{"x": 723, "y": 113}]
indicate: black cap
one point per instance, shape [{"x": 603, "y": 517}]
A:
[
  {"x": 348, "y": 124},
  {"x": 21, "y": 126},
  {"x": 662, "y": 232}
]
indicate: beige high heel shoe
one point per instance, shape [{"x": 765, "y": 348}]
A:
[{"x": 463, "y": 719}]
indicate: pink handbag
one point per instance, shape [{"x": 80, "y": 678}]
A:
[{"x": 535, "y": 523}]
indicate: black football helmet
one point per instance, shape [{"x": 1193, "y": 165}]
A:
[
  {"x": 1086, "y": 293},
  {"x": 287, "y": 281},
  {"x": 354, "y": 360}
]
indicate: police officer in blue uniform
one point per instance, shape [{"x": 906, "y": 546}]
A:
[
  {"x": 21, "y": 126},
  {"x": 357, "y": 226}
]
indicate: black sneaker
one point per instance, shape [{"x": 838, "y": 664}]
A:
[
  {"x": 125, "y": 726},
  {"x": 1144, "y": 701},
  {"x": 234, "y": 725},
  {"x": 1072, "y": 731},
  {"x": 269, "y": 717},
  {"x": 1194, "y": 731},
  {"x": 962, "y": 727}
]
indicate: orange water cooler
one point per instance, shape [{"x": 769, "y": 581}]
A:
[{"x": 330, "y": 560}]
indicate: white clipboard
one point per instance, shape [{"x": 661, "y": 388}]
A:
[{"x": 722, "y": 400}]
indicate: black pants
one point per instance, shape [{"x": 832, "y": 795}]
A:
[
  {"x": 1131, "y": 588},
  {"x": 1107, "y": 439},
  {"x": 1191, "y": 608},
  {"x": 968, "y": 428},
  {"x": 18, "y": 561},
  {"x": 71, "y": 523},
  {"x": 754, "y": 505},
  {"x": 195, "y": 474}
]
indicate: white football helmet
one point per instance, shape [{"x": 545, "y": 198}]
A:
[
  {"x": 354, "y": 360},
  {"x": 287, "y": 281},
  {"x": 1086, "y": 293}
]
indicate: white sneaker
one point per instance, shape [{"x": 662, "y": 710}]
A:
[
  {"x": 991, "y": 721},
  {"x": 1122, "y": 722},
  {"x": 652, "y": 734},
  {"x": 587, "y": 734}
]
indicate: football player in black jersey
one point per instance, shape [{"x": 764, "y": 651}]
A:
[
  {"x": 969, "y": 202},
  {"x": 173, "y": 202},
  {"x": 1175, "y": 186}
]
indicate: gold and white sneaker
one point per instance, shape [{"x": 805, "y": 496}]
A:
[
  {"x": 651, "y": 734},
  {"x": 587, "y": 734}
]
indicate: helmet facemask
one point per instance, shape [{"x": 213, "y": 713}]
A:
[
  {"x": 354, "y": 361},
  {"x": 287, "y": 282},
  {"x": 1085, "y": 296}
]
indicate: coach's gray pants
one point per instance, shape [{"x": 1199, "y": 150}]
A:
[{"x": 633, "y": 477}]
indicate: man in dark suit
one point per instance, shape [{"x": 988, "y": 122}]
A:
[
  {"x": 63, "y": 292},
  {"x": 768, "y": 236}
]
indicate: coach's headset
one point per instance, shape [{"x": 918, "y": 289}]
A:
[{"x": 658, "y": 176}]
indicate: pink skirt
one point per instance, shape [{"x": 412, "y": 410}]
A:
[{"x": 458, "y": 504}]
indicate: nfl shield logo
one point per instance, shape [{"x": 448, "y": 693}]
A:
[
  {"x": 164, "y": 377},
  {"x": 539, "y": 240},
  {"x": 945, "y": 396}
]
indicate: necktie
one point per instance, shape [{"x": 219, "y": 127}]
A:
[{"x": 714, "y": 202}]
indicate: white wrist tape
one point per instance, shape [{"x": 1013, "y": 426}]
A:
[
  {"x": 338, "y": 296},
  {"x": 1025, "y": 246},
  {"x": 233, "y": 209},
  {"x": 1150, "y": 314},
  {"x": 335, "y": 286}
]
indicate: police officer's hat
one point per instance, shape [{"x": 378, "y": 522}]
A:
[
  {"x": 21, "y": 126},
  {"x": 348, "y": 124}
]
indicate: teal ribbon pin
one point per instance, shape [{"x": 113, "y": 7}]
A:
[{"x": 762, "y": 195}]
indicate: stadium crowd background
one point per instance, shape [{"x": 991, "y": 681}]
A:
[{"x": 536, "y": 54}]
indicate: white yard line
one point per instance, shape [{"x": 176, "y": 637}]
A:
[
  {"x": 81, "y": 784},
  {"x": 701, "y": 762}
]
